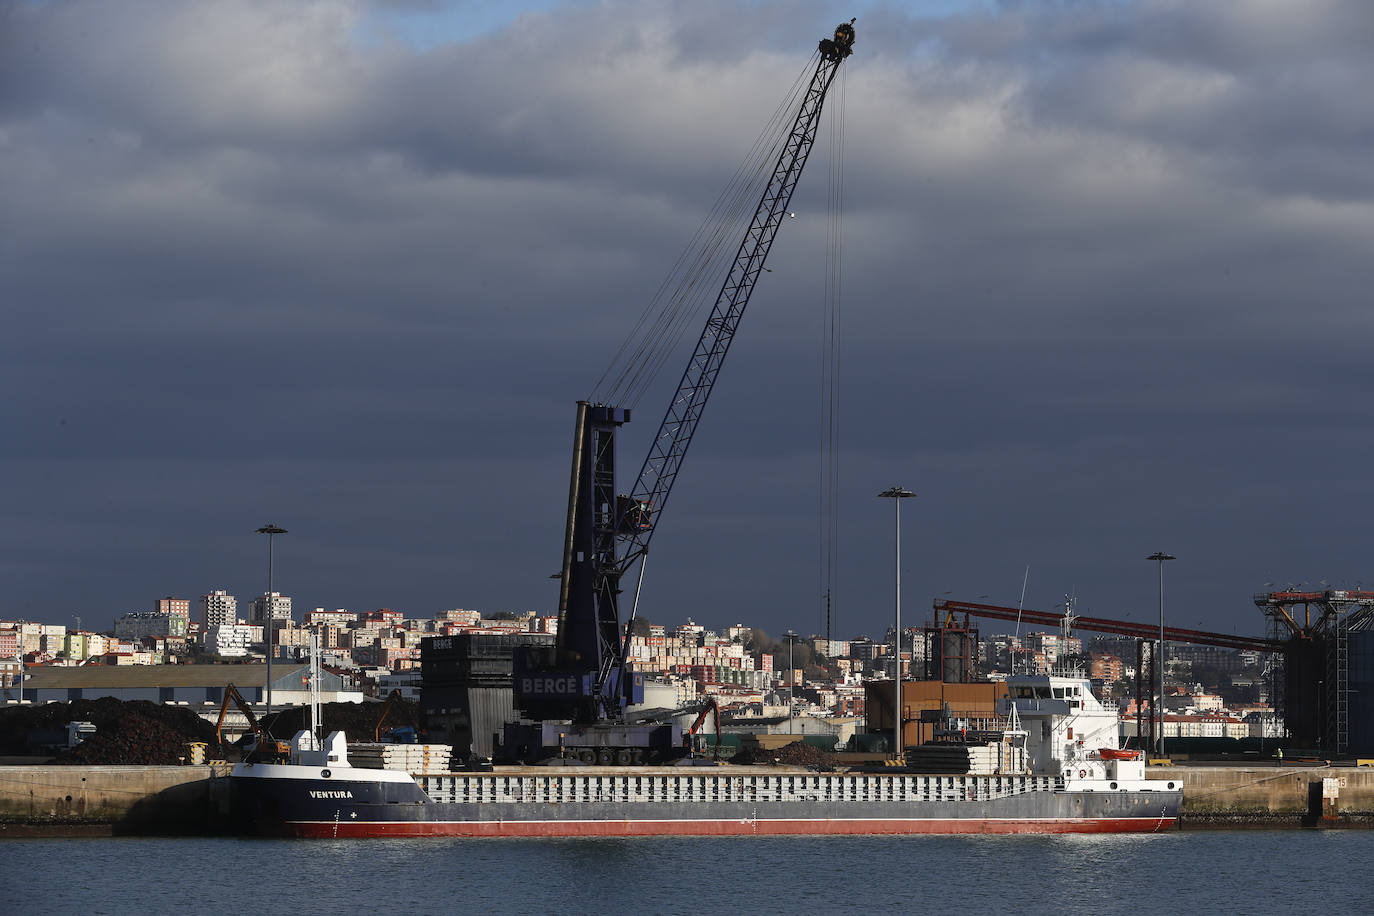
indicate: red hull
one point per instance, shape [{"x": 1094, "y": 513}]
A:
[{"x": 354, "y": 829}]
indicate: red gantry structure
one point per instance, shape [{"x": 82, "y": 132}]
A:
[
  {"x": 1147, "y": 631},
  {"x": 1311, "y": 630},
  {"x": 1146, "y": 636}
]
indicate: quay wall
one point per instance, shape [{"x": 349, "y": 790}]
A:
[
  {"x": 1269, "y": 795},
  {"x": 128, "y": 799},
  {"x": 193, "y": 799}
]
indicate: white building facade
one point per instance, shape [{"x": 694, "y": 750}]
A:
[
  {"x": 232, "y": 640},
  {"x": 271, "y": 606},
  {"x": 218, "y": 608}
]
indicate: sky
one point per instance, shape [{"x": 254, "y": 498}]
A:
[{"x": 347, "y": 266}]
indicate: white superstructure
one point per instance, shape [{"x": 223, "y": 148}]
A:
[{"x": 1069, "y": 733}]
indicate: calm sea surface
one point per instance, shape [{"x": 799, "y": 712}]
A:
[{"x": 1181, "y": 872}]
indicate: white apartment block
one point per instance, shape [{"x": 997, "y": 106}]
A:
[
  {"x": 274, "y": 606},
  {"x": 218, "y": 608},
  {"x": 338, "y": 617}
]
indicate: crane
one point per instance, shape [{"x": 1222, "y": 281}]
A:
[{"x": 586, "y": 677}]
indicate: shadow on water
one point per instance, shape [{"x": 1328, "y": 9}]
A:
[{"x": 1196, "y": 872}]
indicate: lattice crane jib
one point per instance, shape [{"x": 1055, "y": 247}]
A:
[
  {"x": 608, "y": 533},
  {"x": 650, "y": 493}
]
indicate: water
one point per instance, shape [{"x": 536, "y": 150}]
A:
[{"x": 1248, "y": 872}]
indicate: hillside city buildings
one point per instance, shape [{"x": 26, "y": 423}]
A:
[{"x": 1210, "y": 692}]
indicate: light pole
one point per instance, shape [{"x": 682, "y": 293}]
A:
[
  {"x": 897, "y": 494},
  {"x": 270, "y": 606},
  {"x": 19, "y": 632},
  {"x": 1160, "y": 556},
  {"x": 791, "y": 638}
]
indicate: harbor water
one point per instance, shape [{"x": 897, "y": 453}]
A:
[{"x": 1190, "y": 871}]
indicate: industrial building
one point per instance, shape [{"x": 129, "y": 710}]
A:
[
  {"x": 466, "y": 688},
  {"x": 191, "y": 685},
  {"x": 1326, "y": 684},
  {"x": 926, "y": 704}
]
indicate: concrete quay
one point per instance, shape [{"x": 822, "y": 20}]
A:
[
  {"x": 132, "y": 800},
  {"x": 1263, "y": 796},
  {"x": 111, "y": 800}
]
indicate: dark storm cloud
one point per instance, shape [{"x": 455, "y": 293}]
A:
[{"x": 1106, "y": 273}]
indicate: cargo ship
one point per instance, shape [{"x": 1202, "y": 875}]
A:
[{"x": 1053, "y": 767}]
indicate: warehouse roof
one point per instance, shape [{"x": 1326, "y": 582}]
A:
[{"x": 290, "y": 677}]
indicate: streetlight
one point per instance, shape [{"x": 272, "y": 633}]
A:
[
  {"x": 897, "y": 494},
  {"x": 791, "y": 638},
  {"x": 1160, "y": 556},
  {"x": 270, "y": 606},
  {"x": 19, "y": 634}
]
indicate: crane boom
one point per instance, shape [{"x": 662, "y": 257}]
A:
[
  {"x": 586, "y": 677},
  {"x": 669, "y": 447}
]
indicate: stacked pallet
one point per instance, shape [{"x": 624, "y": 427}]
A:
[{"x": 408, "y": 758}]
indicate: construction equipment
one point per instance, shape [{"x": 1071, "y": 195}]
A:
[
  {"x": 574, "y": 695},
  {"x": 393, "y": 700},
  {"x": 711, "y": 708},
  {"x": 264, "y": 748}
]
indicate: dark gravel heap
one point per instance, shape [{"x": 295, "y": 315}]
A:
[
  {"x": 138, "y": 732},
  {"x": 798, "y": 753},
  {"x": 356, "y": 720},
  {"x": 131, "y": 733}
]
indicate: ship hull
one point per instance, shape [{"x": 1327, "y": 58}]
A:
[{"x": 360, "y": 808}]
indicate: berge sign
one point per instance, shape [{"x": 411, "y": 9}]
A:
[{"x": 561, "y": 685}]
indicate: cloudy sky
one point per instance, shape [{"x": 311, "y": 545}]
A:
[{"x": 346, "y": 267}]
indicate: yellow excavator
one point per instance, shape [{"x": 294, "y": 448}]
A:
[
  {"x": 265, "y": 748},
  {"x": 402, "y": 735}
]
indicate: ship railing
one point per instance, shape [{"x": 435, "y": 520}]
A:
[{"x": 731, "y": 787}]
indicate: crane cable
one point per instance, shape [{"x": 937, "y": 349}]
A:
[
  {"x": 695, "y": 278},
  {"x": 698, "y": 265},
  {"x": 828, "y": 522}
]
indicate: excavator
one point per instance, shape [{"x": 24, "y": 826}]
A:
[
  {"x": 264, "y": 748},
  {"x": 710, "y": 707},
  {"x": 404, "y": 734}
]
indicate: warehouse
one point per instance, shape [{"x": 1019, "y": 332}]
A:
[{"x": 191, "y": 685}]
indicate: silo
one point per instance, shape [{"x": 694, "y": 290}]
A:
[
  {"x": 1361, "y": 692},
  {"x": 951, "y": 654},
  {"x": 1304, "y": 694}
]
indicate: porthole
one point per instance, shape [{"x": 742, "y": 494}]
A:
[
  {"x": 1113, "y": 785},
  {"x": 325, "y": 773},
  {"x": 1171, "y": 785}
]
